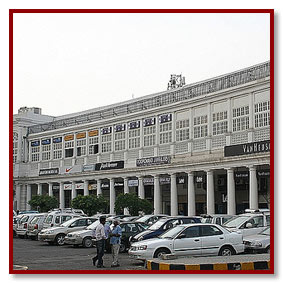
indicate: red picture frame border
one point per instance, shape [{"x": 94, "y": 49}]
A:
[{"x": 15, "y": 11}]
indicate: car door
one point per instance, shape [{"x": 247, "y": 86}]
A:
[
  {"x": 252, "y": 226},
  {"x": 212, "y": 239},
  {"x": 188, "y": 242},
  {"x": 77, "y": 225}
]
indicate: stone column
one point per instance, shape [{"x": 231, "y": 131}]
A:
[
  {"x": 86, "y": 191},
  {"x": 61, "y": 196},
  {"x": 210, "y": 193},
  {"x": 141, "y": 188},
  {"x": 50, "y": 190},
  {"x": 174, "y": 196},
  {"x": 28, "y": 196},
  {"x": 253, "y": 193},
  {"x": 191, "y": 195},
  {"x": 231, "y": 194},
  {"x": 112, "y": 196},
  {"x": 39, "y": 189},
  {"x": 126, "y": 191},
  {"x": 74, "y": 192},
  {"x": 99, "y": 190},
  {"x": 157, "y": 197}
]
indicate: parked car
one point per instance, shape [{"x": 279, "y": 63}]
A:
[
  {"x": 249, "y": 223},
  {"x": 28, "y": 212},
  {"x": 22, "y": 226},
  {"x": 57, "y": 234},
  {"x": 16, "y": 221},
  {"x": 36, "y": 225},
  {"x": 162, "y": 225},
  {"x": 259, "y": 242},
  {"x": 190, "y": 240},
  {"x": 130, "y": 218},
  {"x": 219, "y": 219},
  {"x": 150, "y": 219},
  {"x": 58, "y": 216}
]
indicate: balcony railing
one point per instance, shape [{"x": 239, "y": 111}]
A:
[{"x": 185, "y": 93}]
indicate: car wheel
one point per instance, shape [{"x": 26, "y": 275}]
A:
[
  {"x": 122, "y": 248},
  {"x": 160, "y": 252},
  {"x": 226, "y": 251},
  {"x": 87, "y": 243},
  {"x": 60, "y": 239}
]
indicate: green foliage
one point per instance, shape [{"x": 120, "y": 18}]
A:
[
  {"x": 133, "y": 203},
  {"x": 90, "y": 204},
  {"x": 43, "y": 203}
]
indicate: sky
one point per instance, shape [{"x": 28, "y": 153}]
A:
[{"x": 66, "y": 63}]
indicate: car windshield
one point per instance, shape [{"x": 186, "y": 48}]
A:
[
  {"x": 24, "y": 219},
  {"x": 68, "y": 222},
  {"x": 265, "y": 232},
  {"x": 144, "y": 218},
  {"x": 172, "y": 233},
  {"x": 93, "y": 225},
  {"x": 144, "y": 225},
  {"x": 48, "y": 219},
  {"x": 34, "y": 220},
  {"x": 157, "y": 224},
  {"x": 236, "y": 221}
]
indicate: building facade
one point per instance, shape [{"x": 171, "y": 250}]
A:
[{"x": 200, "y": 148}]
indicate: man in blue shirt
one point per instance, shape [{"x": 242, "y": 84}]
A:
[{"x": 115, "y": 242}]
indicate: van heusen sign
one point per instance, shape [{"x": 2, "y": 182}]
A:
[
  {"x": 149, "y": 161},
  {"x": 247, "y": 148}
]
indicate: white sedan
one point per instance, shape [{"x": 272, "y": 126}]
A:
[{"x": 190, "y": 240}]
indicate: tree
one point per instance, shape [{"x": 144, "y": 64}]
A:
[
  {"x": 43, "y": 202},
  {"x": 133, "y": 203},
  {"x": 90, "y": 204}
]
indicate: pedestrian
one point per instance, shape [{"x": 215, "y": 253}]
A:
[
  {"x": 100, "y": 242},
  {"x": 115, "y": 242}
]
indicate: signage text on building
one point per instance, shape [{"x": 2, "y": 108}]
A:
[{"x": 149, "y": 161}]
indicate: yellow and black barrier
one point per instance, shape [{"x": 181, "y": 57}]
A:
[{"x": 257, "y": 265}]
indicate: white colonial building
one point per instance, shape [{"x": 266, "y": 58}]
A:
[{"x": 199, "y": 148}]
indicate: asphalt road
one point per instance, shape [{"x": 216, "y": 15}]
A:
[{"x": 36, "y": 255}]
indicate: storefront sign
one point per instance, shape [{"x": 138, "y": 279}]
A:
[
  {"x": 69, "y": 138},
  {"x": 47, "y": 141},
  {"x": 133, "y": 183},
  {"x": 109, "y": 165},
  {"x": 164, "y": 180},
  {"x": 241, "y": 175},
  {"x": 107, "y": 130},
  {"x": 57, "y": 140},
  {"x": 93, "y": 133},
  {"x": 120, "y": 128},
  {"x": 92, "y": 187},
  {"x": 181, "y": 180},
  {"x": 134, "y": 125},
  {"x": 148, "y": 181},
  {"x": 79, "y": 186},
  {"x": 200, "y": 179},
  {"x": 67, "y": 187},
  {"x": 50, "y": 171},
  {"x": 165, "y": 118},
  {"x": 247, "y": 148},
  {"x": 105, "y": 185},
  {"x": 148, "y": 122},
  {"x": 118, "y": 184},
  {"x": 35, "y": 143},
  {"x": 71, "y": 169},
  {"x": 263, "y": 173},
  {"x": 87, "y": 168},
  {"x": 159, "y": 160},
  {"x": 81, "y": 135}
]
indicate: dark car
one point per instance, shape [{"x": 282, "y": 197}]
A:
[
  {"x": 128, "y": 229},
  {"x": 162, "y": 225}
]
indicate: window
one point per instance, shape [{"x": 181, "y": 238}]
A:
[
  {"x": 46, "y": 149},
  {"x": 149, "y": 136},
  {"x": 65, "y": 218},
  {"x": 106, "y": 143},
  {"x": 134, "y": 138},
  {"x": 69, "y": 149},
  {"x": 240, "y": 119},
  {"x": 15, "y": 147},
  {"x": 35, "y": 153},
  {"x": 120, "y": 141},
  {"x": 210, "y": 231},
  {"x": 165, "y": 133},
  {"x": 191, "y": 232},
  {"x": 182, "y": 130},
  {"x": 93, "y": 145},
  {"x": 262, "y": 114},
  {"x": 200, "y": 126},
  {"x": 57, "y": 150},
  {"x": 219, "y": 123},
  {"x": 81, "y": 147}
]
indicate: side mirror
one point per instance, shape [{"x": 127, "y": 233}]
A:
[
  {"x": 249, "y": 225},
  {"x": 181, "y": 236}
]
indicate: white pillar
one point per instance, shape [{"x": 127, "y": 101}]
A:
[
  {"x": 99, "y": 190},
  {"x": 253, "y": 194},
  {"x": 141, "y": 188},
  {"x": 191, "y": 195},
  {"x": 18, "y": 196},
  {"x": 210, "y": 193},
  {"x": 28, "y": 196},
  {"x": 50, "y": 190},
  {"x": 39, "y": 189},
  {"x": 112, "y": 196},
  {"x": 74, "y": 192},
  {"x": 157, "y": 197},
  {"x": 86, "y": 191},
  {"x": 61, "y": 196},
  {"x": 231, "y": 194},
  {"x": 174, "y": 196},
  {"x": 126, "y": 191}
]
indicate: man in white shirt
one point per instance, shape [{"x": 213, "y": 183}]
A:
[{"x": 100, "y": 242}]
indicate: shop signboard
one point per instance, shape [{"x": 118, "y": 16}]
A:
[
  {"x": 133, "y": 183},
  {"x": 87, "y": 168},
  {"x": 67, "y": 187},
  {"x": 109, "y": 165},
  {"x": 263, "y": 173},
  {"x": 247, "y": 148},
  {"x": 50, "y": 171},
  {"x": 150, "y": 161}
]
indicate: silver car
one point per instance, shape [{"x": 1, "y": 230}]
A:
[
  {"x": 36, "y": 225},
  {"x": 57, "y": 234},
  {"x": 259, "y": 242},
  {"x": 22, "y": 227}
]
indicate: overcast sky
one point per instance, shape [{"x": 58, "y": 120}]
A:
[{"x": 66, "y": 63}]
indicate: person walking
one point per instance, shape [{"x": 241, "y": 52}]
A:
[
  {"x": 115, "y": 241},
  {"x": 100, "y": 242}
]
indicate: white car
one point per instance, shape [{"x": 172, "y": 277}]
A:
[
  {"x": 190, "y": 240},
  {"x": 249, "y": 223},
  {"x": 259, "y": 242}
]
